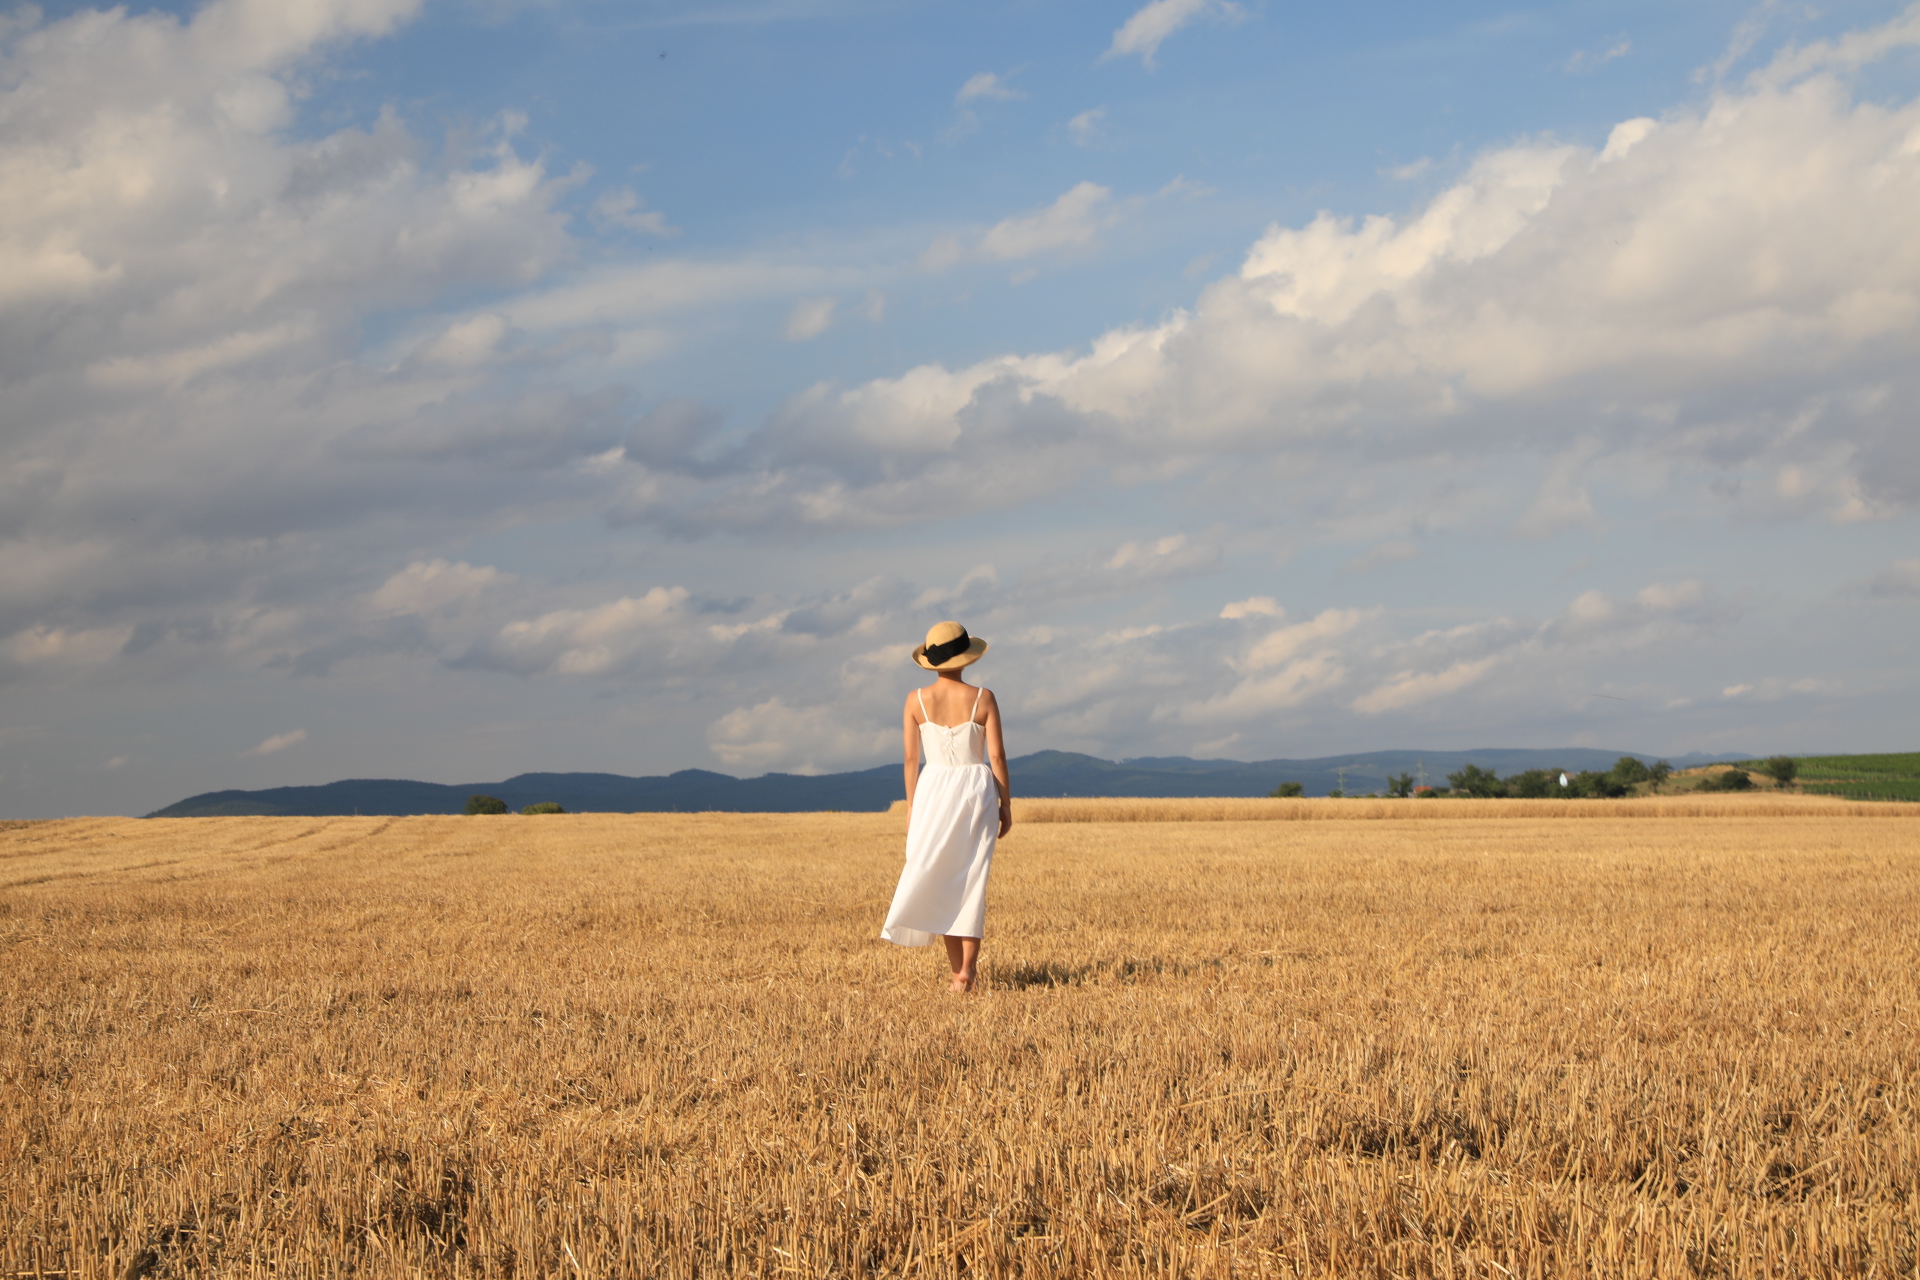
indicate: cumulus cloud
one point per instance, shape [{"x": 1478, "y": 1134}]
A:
[
  {"x": 1144, "y": 32},
  {"x": 207, "y": 458},
  {"x": 1678, "y": 299},
  {"x": 184, "y": 279}
]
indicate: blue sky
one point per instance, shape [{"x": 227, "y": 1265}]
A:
[{"x": 447, "y": 390}]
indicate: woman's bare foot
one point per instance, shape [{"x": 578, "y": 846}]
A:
[{"x": 961, "y": 984}]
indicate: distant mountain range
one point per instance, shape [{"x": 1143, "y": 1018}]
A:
[{"x": 1044, "y": 773}]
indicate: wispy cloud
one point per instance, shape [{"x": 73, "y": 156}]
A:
[
  {"x": 810, "y": 318},
  {"x": 1585, "y": 60},
  {"x": 279, "y": 742},
  {"x": 988, "y": 85},
  {"x": 1902, "y": 578},
  {"x": 1074, "y": 221},
  {"x": 1085, "y": 128},
  {"x": 624, "y": 210},
  {"x": 1144, "y": 32}
]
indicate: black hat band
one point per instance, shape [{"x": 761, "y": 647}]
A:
[{"x": 935, "y": 654}]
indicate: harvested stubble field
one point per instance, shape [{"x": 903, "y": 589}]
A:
[{"x": 1434, "y": 1039}]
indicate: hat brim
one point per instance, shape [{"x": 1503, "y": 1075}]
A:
[{"x": 957, "y": 661}]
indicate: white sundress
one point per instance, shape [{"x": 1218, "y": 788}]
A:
[{"x": 950, "y": 836}]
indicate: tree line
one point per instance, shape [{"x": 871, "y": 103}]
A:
[{"x": 1628, "y": 774}]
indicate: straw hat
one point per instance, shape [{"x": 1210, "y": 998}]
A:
[{"x": 949, "y": 648}]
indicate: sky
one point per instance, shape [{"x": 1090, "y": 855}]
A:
[{"x": 447, "y": 389}]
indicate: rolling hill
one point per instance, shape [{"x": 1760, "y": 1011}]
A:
[{"x": 1044, "y": 773}]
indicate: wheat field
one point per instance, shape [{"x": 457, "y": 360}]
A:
[{"x": 1477, "y": 1041}]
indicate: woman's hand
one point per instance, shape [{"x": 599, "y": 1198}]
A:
[{"x": 1006, "y": 818}]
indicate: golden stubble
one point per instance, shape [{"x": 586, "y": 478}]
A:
[{"x": 1481, "y": 1043}]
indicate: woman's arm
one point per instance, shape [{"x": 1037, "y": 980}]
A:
[
  {"x": 997, "y": 757},
  {"x": 910, "y": 732}
]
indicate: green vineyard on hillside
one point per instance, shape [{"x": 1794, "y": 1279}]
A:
[{"x": 1876, "y": 777}]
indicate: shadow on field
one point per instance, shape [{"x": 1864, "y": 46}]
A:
[{"x": 1053, "y": 973}]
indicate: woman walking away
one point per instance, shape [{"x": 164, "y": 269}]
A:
[{"x": 959, "y": 807}]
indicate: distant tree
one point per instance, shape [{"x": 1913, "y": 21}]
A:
[
  {"x": 1400, "y": 784},
  {"x": 1426, "y": 793},
  {"x": 1590, "y": 785},
  {"x": 1782, "y": 769},
  {"x": 1534, "y": 784},
  {"x": 1337, "y": 793},
  {"x": 1472, "y": 780},
  {"x": 545, "y": 806},
  {"x": 1630, "y": 770},
  {"x": 485, "y": 804},
  {"x": 1731, "y": 780},
  {"x": 1286, "y": 791},
  {"x": 1660, "y": 772}
]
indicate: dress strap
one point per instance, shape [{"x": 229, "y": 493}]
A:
[
  {"x": 976, "y": 703},
  {"x": 923, "y": 707}
]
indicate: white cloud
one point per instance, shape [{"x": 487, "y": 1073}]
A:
[
  {"x": 798, "y": 739},
  {"x": 810, "y": 318},
  {"x": 62, "y": 648},
  {"x": 1583, "y": 61},
  {"x": 279, "y": 742},
  {"x": 638, "y": 291},
  {"x": 987, "y": 85},
  {"x": 208, "y": 462},
  {"x": 1144, "y": 32},
  {"x": 192, "y": 269},
  {"x": 1283, "y": 645},
  {"x": 437, "y": 586},
  {"x": 654, "y": 630},
  {"x": 624, "y": 209},
  {"x": 1085, "y": 128},
  {"x": 1562, "y": 503},
  {"x": 473, "y": 341},
  {"x": 1409, "y": 687},
  {"x": 1555, "y": 300},
  {"x": 1849, "y": 52},
  {"x": 1072, "y": 222}
]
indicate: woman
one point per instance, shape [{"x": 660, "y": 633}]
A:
[{"x": 959, "y": 807}]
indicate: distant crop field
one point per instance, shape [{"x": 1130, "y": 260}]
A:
[
  {"x": 1874, "y": 777},
  {"x": 1503, "y": 1043}
]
